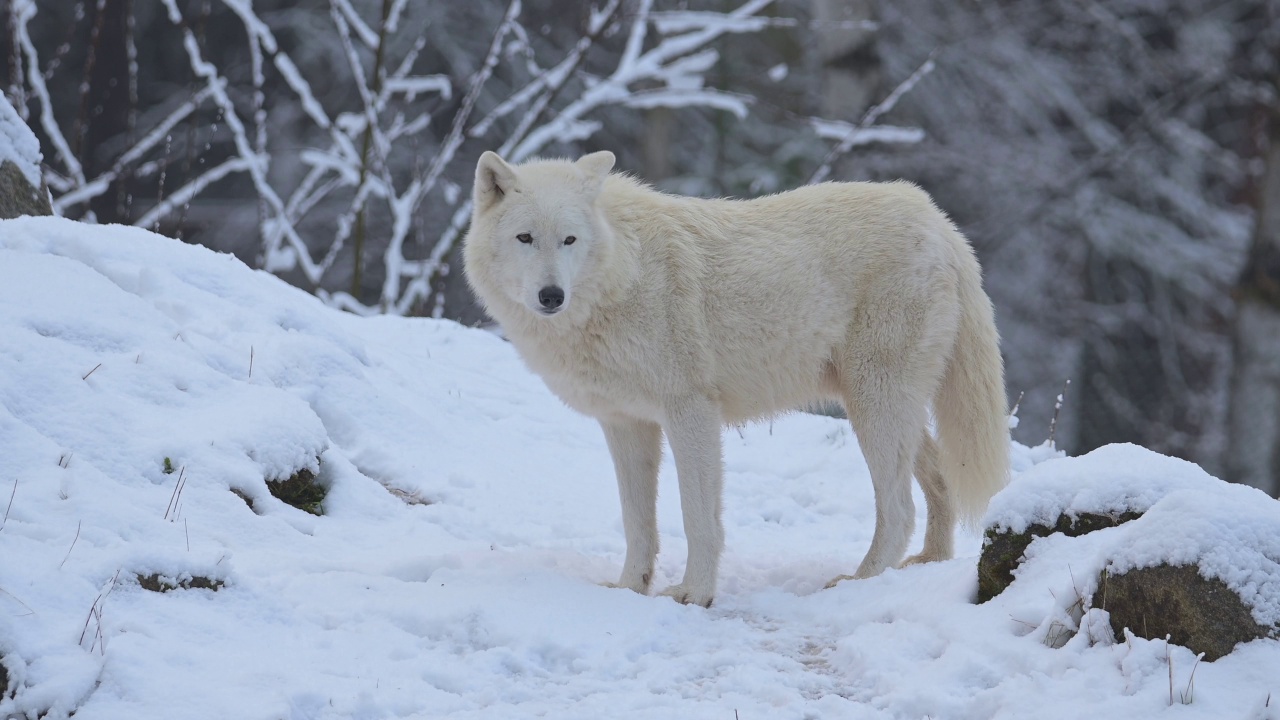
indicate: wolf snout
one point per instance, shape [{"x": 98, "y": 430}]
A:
[{"x": 551, "y": 298}]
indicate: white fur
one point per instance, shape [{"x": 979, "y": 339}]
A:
[{"x": 681, "y": 315}]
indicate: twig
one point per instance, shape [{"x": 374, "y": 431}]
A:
[
  {"x": 73, "y": 545},
  {"x": 370, "y": 96},
  {"x": 25, "y": 12},
  {"x": 250, "y": 362},
  {"x": 1017, "y": 403},
  {"x": 1057, "y": 406},
  {"x": 869, "y": 118},
  {"x": 256, "y": 164},
  {"x": 1169, "y": 659},
  {"x": 392, "y": 295},
  {"x": 86, "y": 81},
  {"x": 10, "y": 507},
  {"x": 186, "y": 531},
  {"x": 153, "y": 218},
  {"x": 86, "y": 375}
]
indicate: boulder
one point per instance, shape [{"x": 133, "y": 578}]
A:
[
  {"x": 1176, "y": 601},
  {"x": 1002, "y": 548},
  {"x": 18, "y": 197},
  {"x": 22, "y": 192},
  {"x": 1164, "y": 548}
]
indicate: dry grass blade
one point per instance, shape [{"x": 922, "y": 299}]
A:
[
  {"x": 10, "y": 506},
  {"x": 19, "y": 601},
  {"x": 73, "y": 545},
  {"x": 95, "y": 611},
  {"x": 1188, "y": 695},
  {"x": 176, "y": 496}
]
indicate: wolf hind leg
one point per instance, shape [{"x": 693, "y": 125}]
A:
[
  {"x": 939, "y": 532},
  {"x": 887, "y": 403},
  {"x": 889, "y": 440}
]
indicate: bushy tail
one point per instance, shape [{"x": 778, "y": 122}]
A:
[{"x": 971, "y": 409}]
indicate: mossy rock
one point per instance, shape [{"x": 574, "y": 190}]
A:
[
  {"x": 300, "y": 490},
  {"x": 1199, "y": 613},
  {"x": 157, "y": 583},
  {"x": 17, "y": 197},
  {"x": 1002, "y": 549},
  {"x": 4, "y": 680}
]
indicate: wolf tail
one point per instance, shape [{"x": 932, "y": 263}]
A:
[{"x": 970, "y": 407}]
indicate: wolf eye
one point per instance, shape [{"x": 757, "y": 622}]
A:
[
  {"x": 570, "y": 240},
  {"x": 525, "y": 238}
]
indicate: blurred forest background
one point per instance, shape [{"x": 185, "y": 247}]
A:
[{"x": 1116, "y": 163}]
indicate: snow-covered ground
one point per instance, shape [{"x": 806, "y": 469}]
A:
[{"x": 470, "y": 520}]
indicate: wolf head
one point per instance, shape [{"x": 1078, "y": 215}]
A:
[{"x": 534, "y": 230}]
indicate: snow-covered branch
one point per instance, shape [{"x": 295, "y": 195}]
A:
[{"x": 866, "y": 131}]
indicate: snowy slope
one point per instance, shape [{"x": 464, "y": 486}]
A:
[{"x": 472, "y": 590}]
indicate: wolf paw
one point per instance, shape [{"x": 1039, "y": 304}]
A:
[
  {"x": 684, "y": 595},
  {"x": 924, "y": 557},
  {"x": 639, "y": 585},
  {"x": 839, "y": 579}
]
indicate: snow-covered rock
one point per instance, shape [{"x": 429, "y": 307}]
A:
[
  {"x": 21, "y": 189},
  {"x": 1171, "y": 550}
]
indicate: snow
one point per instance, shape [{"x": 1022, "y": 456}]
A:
[
  {"x": 18, "y": 144},
  {"x": 473, "y": 590},
  {"x": 1111, "y": 479}
]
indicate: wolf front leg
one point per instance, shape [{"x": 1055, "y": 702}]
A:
[
  {"x": 636, "y": 446},
  {"x": 693, "y": 429}
]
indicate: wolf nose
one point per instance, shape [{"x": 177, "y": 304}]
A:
[{"x": 551, "y": 297}]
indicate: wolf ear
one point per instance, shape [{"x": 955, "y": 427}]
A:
[
  {"x": 494, "y": 179},
  {"x": 596, "y": 167}
]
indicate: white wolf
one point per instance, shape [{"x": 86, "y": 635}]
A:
[{"x": 653, "y": 313}]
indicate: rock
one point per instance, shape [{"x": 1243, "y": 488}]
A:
[
  {"x": 18, "y": 197},
  {"x": 300, "y": 490},
  {"x": 1199, "y": 613},
  {"x": 21, "y": 190},
  {"x": 155, "y": 582},
  {"x": 1002, "y": 548},
  {"x": 1164, "y": 548}
]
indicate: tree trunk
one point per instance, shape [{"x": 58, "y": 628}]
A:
[{"x": 1253, "y": 450}]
